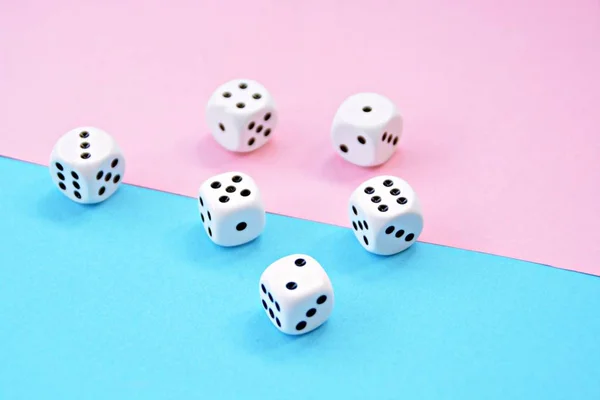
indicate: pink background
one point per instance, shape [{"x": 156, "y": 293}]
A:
[{"x": 500, "y": 100}]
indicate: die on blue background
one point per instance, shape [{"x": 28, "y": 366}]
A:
[{"x": 130, "y": 299}]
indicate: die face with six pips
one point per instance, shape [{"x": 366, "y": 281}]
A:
[
  {"x": 87, "y": 165},
  {"x": 296, "y": 294},
  {"x": 385, "y": 214}
]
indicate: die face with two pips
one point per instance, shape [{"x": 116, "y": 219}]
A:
[
  {"x": 87, "y": 165},
  {"x": 296, "y": 294},
  {"x": 366, "y": 129},
  {"x": 241, "y": 115},
  {"x": 231, "y": 209},
  {"x": 386, "y": 216}
]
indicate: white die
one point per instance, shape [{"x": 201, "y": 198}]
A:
[
  {"x": 366, "y": 129},
  {"x": 241, "y": 115},
  {"x": 87, "y": 165},
  {"x": 231, "y": 209},
  {"x": 386, "y": 215},
  {"x": 296, "y": 294}
]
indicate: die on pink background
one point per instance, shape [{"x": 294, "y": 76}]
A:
[
  {"x": 241, "y": 115},
  {"x": 366, "y": 129},
  {"x": 386, "y": 215},
  {"x": 499, "y": 101}
]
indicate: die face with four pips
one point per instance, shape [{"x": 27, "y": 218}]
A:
[
  {"x": 241, "y": 115},
  {"x": 296, "y": 294},
  {"x": 87, "y": 165}
]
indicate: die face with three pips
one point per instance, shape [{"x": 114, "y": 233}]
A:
[
  {"x": 366, "y": 129},
  {"x": 87, "y": 165},
  {"x": 297, "y": 296}
]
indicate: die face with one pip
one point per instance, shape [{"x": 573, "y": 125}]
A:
[
  {"x": 241, "y": 115},
  {"x": 87, "y": 165},
  {"x": 366, "y": 129},
  {"x": 386, "y": 215},
  {"x": 296, "y": 294},
  {"x": 231, "y": 209}
]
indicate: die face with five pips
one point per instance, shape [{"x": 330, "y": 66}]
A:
[
  {"x": 241, "y": 115},
  {"x": 87, "y": 165},
  {"x": 296, "y": 294},
  {"x": 231, "y": 209}
]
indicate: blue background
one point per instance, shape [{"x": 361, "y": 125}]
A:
[{"x": 129, "y": 299}]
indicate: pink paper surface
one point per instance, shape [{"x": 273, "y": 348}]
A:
[{"x": 500, "y": 100}]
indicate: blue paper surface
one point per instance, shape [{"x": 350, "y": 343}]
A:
[{"x": 128, "y": 299}]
